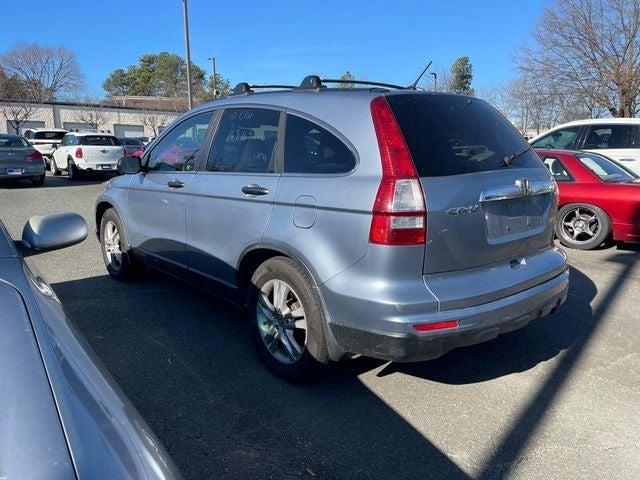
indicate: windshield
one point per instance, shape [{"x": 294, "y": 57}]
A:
[
  {"x": 48, "y": 135},
  {"x": 456, "y": 134},
  {"x": 605, "y": 169},
  {"x": 98, "y": 140},
  {"x": 12, "y": 141}
]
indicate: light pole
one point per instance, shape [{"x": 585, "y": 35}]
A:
[
  {"x": 215, "y": 87},
  {"x": 435, "y": 81},
  {"x": 185, "y": 15}
]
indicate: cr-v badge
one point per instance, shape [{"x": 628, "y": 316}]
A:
[{"x": 461, "y": 210}]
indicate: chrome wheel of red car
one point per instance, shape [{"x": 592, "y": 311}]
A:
[{"x": 582, "y": 226}]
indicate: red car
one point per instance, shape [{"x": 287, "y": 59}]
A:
[{"x": 599, "y": 199}]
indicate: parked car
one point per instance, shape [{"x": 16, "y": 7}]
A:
[
  {"x": 45, "y": 140},
  {"x": 145, "y": 140},
  {"x": 131, "y": 145},
  {"x": 599, "y": 199},
  {"x": 20, "y": 160},
  {"x": 63, "y": 416},
  {"x": 616, "y": 138},
  {"x": 90, "y": 151},
  {"x": 385, "y": 222}
]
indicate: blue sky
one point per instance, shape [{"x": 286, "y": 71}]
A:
[{"x": 282, "y": 41}]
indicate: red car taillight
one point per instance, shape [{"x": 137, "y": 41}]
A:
[
  {"x": 79, "y": 152},
  {"x": 36, "y": 155},
  {"x": 399, "y": 214}
]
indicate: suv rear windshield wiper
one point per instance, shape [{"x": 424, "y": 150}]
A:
[{"x": 509, "y": 159}]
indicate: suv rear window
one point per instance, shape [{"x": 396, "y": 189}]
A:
[
  {"x": 98, "y": 140},
  {"x": 48, "y": 135},
  {"x": 454, "y": 134}
]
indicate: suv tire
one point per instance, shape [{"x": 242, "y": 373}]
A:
[
  {"x": 582, "y": 226},
  {"x": 54, "y": 168},
  {"x": 117, "y": 258},
  {"x": 297, "y": 343}
]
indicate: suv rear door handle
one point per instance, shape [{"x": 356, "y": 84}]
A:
[
  {"x": 254, "y": 189},
  {"x": 175, "y": 184}
]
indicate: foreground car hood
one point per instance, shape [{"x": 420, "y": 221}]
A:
[
  {"x": 32, "y": 443},
  {"x": 105, "y": 435}
]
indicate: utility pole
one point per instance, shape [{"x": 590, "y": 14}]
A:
[
  {"x": 215, "y": 87},
  {"x": 185, "y": 14},
  {"x": 435, "y": 81}
]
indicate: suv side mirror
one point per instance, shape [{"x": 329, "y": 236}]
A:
[
  {"x": 129, "y": 165},
  {"x": 42, "y": 233}
]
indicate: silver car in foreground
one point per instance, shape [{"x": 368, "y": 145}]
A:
[
  {"x": 61, "y": 414},
  {"x": 379, "y": 221}
]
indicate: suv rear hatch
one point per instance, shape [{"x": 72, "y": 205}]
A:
[
  {"x": 490, "y": 201},
  {"x": 101, "y": 149}
]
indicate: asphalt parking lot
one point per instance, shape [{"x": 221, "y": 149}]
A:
[{"x": 557, "y": 399}]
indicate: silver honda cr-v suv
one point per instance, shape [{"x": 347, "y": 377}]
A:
[{"x": 378, "y": 221}]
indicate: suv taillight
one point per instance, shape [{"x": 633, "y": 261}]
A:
[
  {"x": 79, "y": 152},
  {"x": 399, "y": 213}
]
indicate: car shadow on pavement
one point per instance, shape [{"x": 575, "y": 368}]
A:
[
  {"x": 52, "y": 182},
  {"x": 187, "y": 364}
]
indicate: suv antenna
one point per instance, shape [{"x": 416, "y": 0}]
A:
[{"x": 414, "y": 84}]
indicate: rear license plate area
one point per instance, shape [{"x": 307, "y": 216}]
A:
[
  {"x": 15, "y": 171},
  {"x": 106, "y": 167},
  {"x": 515, "y": 216}
]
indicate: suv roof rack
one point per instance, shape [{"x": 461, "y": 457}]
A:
[
  {"x": 313, "y": 82},
  {"x": 243, "y": 88}
]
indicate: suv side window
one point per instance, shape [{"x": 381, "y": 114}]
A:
[
  {"x": 557, "y": 170},
  {"x": 177, "y": 150},
  {"x": 310, "y": 148},
  {"x": 245, "y": 141},
  {"x": 612, "y": 136},
  {"x": 71, "y": 140},
  {"x": 560, "y": 139}
]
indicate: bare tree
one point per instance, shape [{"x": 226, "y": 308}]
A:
[
  {"x": 153, "y": 121},
  {"x": 17, "y": 114},
  {"x": 17, "y": 109},
  {"x": 90, "y": 113},
  {"x": 46, "y": 72},
  {"x": 589, "y": 51}
]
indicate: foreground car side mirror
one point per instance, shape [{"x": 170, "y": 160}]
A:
[
  {"x": 129, "y": 165},
  {"x": 42, "y": 233}
]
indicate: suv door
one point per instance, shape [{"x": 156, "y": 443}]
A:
[
  {"x": 618, "y": 141},
  {"x": 156, "y": 200},
  {"x": 231, "y": 197}
]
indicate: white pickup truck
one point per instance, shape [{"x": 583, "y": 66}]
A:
[
  {"x": 91, "y": 151},
  {"x": 45, "y": 140}
]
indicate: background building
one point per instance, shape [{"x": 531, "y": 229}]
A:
[{"x": 123, "y": 121}]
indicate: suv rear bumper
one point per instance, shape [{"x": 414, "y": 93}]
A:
[
  {"x": 475, "y": 325},
  {"x": 96, "y": 166}
]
